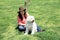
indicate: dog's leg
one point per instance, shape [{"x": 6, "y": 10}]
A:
[
  {"x": 32, "y": 31},
  {"x": 26, "y": 32}
]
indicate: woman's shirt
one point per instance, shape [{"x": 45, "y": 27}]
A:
[{"x": 21, "y": 22}]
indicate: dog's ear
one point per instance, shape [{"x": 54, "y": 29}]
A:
[{"x": 32, "y": 21}]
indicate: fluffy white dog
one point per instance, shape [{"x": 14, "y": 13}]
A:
[{"x": 30, "y": 25}]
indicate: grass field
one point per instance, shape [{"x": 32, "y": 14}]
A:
[{"x": 46, "y": 13}]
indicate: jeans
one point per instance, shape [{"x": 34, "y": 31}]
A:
[
  {"x": 22, "y": 28},
  {"x": 38, "y": 29}
]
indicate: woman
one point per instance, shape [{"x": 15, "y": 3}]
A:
[{"x": 22, "y": 15}]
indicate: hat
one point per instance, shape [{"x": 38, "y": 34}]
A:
[{"x": 21, "y": 9}]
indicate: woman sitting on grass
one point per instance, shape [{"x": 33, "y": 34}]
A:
[{"x": 22, "y": 15}]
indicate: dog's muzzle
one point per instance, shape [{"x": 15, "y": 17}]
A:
[{"x": 32, "y": 21}]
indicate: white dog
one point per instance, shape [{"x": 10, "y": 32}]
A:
[{"x": 30, "y": 25}]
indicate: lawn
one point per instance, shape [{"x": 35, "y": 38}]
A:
[{"x": 46, "y": 13}]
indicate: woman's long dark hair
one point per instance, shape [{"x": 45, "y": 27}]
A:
[{"x": 20, "y": 16}]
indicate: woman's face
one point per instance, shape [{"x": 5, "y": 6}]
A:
[{"x": 22, "y": 12}]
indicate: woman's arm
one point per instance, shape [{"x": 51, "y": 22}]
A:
[
  {"x": 19, "y": 21},
  {"x": 21, "y": 24},
  {"x": 27, "y": 14}
]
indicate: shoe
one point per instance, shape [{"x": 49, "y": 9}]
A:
[{"x": 42, "y": 30}]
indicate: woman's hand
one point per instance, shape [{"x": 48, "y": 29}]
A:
[{"x": 22, "y": 24}]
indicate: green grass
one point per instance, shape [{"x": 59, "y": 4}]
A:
[{"x": 46, "y": 13}]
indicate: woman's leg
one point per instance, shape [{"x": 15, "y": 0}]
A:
[
  {"x": 38, "y": 29},
  {"x": 21, "y": 28}
]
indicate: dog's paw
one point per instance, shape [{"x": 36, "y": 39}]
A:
[
  {"x": 25, "y": 34},
  {"x": 32, "y": 33}
]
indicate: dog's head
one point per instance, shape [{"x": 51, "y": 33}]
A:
[{"x": 30, "y": 19}]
